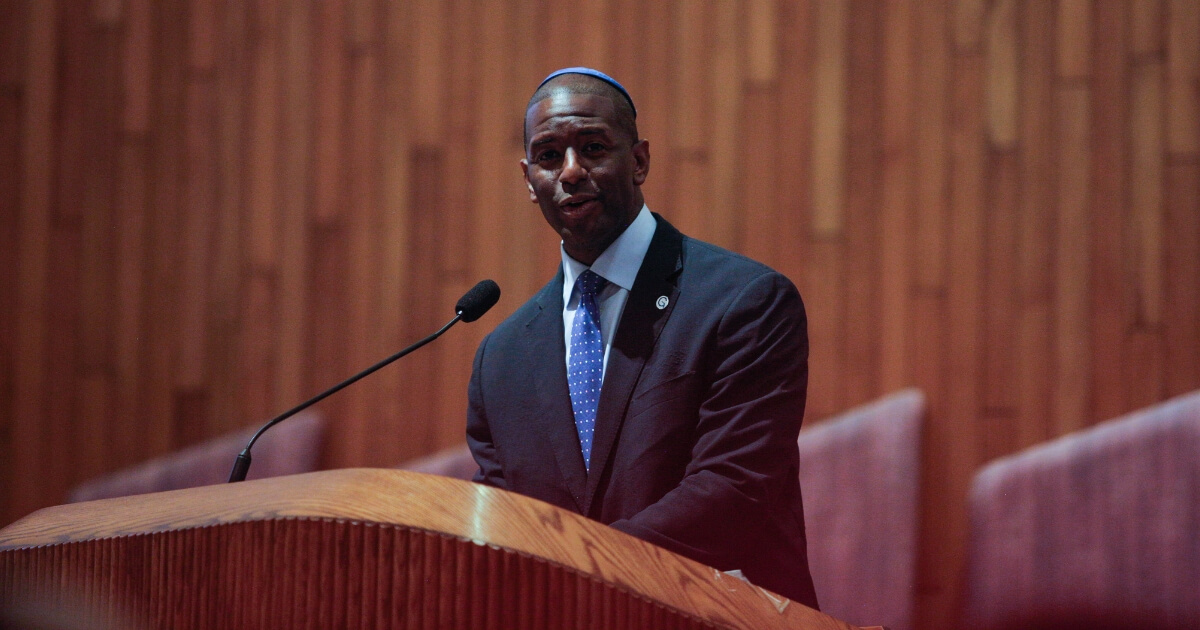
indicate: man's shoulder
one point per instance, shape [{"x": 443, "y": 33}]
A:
[
  {"x": 702, "y": 257},
  {"x": 713, "y": 264},
  {"x": 703, "y": 251}
]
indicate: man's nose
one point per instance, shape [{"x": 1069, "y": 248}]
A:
[{"x": 572, "y": 171}]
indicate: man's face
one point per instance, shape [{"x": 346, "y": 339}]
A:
[{"x": 583, "y": 170}]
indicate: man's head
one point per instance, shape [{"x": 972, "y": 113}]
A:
[
  {"x": 606, "y": 86},
  {"x": 584, "y": 164}
]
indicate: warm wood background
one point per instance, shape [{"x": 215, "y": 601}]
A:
[{"x": 211, "y": 210}]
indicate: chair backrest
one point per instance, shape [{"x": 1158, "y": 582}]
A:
[
  {"x": 454, "y": 461},
  {"x": 291, "y": 447},
  {"x": 860, "y": 474},
  {"x": 1102, "y": 524}
]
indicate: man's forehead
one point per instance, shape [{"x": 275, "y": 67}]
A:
[
  {"x": 562, "y": 107},
  {"x": 591, "y": 81}
]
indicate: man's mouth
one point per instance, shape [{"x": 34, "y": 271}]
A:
[{"x": 577, "y": 205}]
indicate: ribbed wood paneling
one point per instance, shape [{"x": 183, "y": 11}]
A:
[
  {"x": 245, "y": 575},
  {"x": 214, "y": 209}
]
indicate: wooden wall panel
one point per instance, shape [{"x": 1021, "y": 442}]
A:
[
  {"x": 227, "y": 253},
  {"x": 859, "y": 239},
  {"x": 30, "y": 353},
  {"x": 897, "y": 191},
  {"x": 1035, "y": 224},
  {"x": 14, "y": 27},
  {"x": 214, "y": 209},
  {"x": 1111, "y": 272}
]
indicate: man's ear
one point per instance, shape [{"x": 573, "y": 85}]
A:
[
  {"x": 525, "y": 172},
  {"x": 641, "y": 161}
]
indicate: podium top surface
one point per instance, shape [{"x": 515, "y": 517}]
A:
[{"x": 469, "y": 511}]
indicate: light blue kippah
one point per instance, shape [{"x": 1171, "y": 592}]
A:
[{"x": 593, "y": 73}]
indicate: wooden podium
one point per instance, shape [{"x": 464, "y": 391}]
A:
[{"x": 367, "y": 548}]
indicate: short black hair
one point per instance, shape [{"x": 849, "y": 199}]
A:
[{"x": 626, "y": 118}]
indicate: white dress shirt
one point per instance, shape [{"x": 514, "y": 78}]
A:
[{"x": 619, "y": 264}]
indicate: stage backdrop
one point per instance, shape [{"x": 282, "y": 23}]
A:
[{"x": 214, "y": 209}]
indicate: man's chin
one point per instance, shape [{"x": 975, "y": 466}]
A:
[{"x": 586, "y": 250}]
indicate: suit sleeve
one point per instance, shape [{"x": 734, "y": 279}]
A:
[
  {"x": 479, "y": 435},
  {"x": 742, "y": 476}
]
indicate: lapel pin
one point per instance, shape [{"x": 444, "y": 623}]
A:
[{"x": 662, "y": 302}]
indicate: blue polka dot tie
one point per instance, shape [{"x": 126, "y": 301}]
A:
[{"x": 585, "y": 369}]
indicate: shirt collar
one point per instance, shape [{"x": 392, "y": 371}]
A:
[{"x": 619, "y": 264}]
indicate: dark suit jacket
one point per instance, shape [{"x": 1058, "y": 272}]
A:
[{"x": 695, "y": 438}]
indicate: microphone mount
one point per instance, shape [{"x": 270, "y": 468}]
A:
[{"x": 472, "y": 306}]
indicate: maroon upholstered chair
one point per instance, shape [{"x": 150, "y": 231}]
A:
[
  {"x": 290, "y": 447},
  {"x": 860, "y": 473},
  {"x": 1100, "y": 528},
  {"x": 453, "y": 461}
]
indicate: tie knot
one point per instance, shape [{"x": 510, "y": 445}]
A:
[{"x": 590, "y": 283}]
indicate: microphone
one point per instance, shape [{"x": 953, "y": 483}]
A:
[
  {"x": 474, "y": 303},
  {"x": 470, "y": 307}
]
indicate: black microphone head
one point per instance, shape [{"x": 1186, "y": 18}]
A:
[{"x": 478, "y": 300}]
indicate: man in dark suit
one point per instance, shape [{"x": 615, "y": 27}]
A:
[{"x": 657, "y": 383}]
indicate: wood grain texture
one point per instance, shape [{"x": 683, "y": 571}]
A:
[
  {"x": 1036, "y": 252},
  {"x": 898, "y": 190},
  {"x": 1183, "y": 76},
  {"x": 30, "y": 353},
  {"x": 830, "y": 93},
  {"x": 190, "y": 543},
  {"x": 1112, "y": 276},
  {"x": 793, "y": 137},
  {"x": 1183, "y": 283},
  {"x": 12, "y": 33},
  {"x": 213, "y": 210},
  {"x": 860, "y": 289},
  {"x": 1074, "y": 25},
  {"x": 930, "y": 142},
  {"x": 1071, "y": 409}
]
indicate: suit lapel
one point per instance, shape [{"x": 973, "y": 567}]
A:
[
  {"x": 556, "y": 420},
  {"x": 636, "y": 336}
]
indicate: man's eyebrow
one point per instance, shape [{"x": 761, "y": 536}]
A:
[{"x": 583, "y": 131}]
